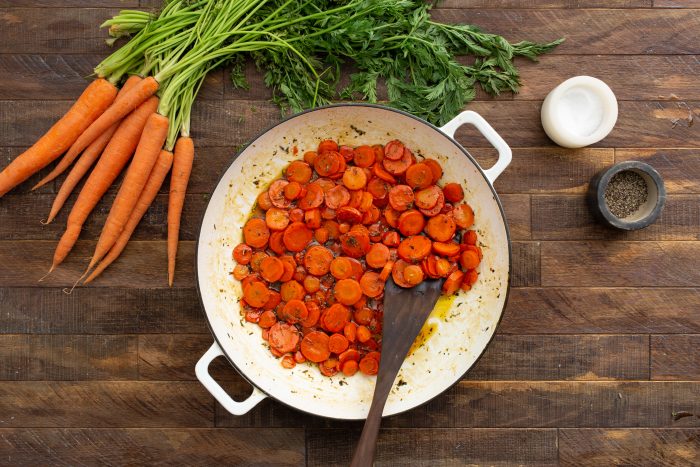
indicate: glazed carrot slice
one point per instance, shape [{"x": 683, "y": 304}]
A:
[
  {"x": 273, "y": 301},
  {"x": 250, "y": 279},
  {"x": 277, "y": 219},
  {"x": 435, "y": 167},
  {"x": 347, "y": 291},
  {"x": 372, "y": 284},
  {"x": 469, "y": 237},
  {"x": 263, "y": 201},
  {"x": 310, "y": 157},
  {"x": 317, "y": 260},
  {"x": 419, "y": 176},
  {"x": 338, "y": 343},
  {"x": 453, "y": 192},
  {"x": 240, "y": 272},
  {"x": 332, "y": 227},
  {"x": 397, "y": 273},
  {"x": 354, "y": 178},
  {"x": 350, "y": 331},
  {"x": 277, "y": 243},
  {"x": 469, "y": 260},
  {"x": 347, "y": 152},
  {"x": 292, "y": 191},
  {"x": 313, "y": 198},
  {"x": 363, "y": 334},
  {"x": 377, "y": 256},
  {"x": 371, "y": 216},
  {"x": 288, "y": 362},
  {"x": 295, "y": 311},
  {"x": 313, "y": 316},
  {"x": 349, "y": 368},
  {"x": 283, "y": 337},
  {"x": 336, "y": 317},
  {"x": 378, "y": 188},
  {"x": 329, "y": 367},
  {"x": 428, "y": 197},
  {"x": 312, "y": 284},
  {"x": 327, "y": 145},
  {"x": 321, "y": 235},
  {"x": 337, "y": 196},
  {"x": 242, "y": 253},
  {"x": 297, "y": 236},
  {"x": 437, "y": 209},
  {"x": 369, "y": 366},
  {"x": 398, "y": 167},
  {"x": 441, "y": 228},
  {"x": 256, "y": 233},
  {"x": 366, "y": 202},
  {"x": 349, "y": 355},
  {"x": 355, "y": 198},
  {"x": 328, "y": 163},
  {"x": 271, "y": 269},
  {"x": 401, "y": 197},
  {"x": 393, "y": 150},
  {"x": 298, "y": 171},
  {"x": 355, "y": 244},
  {"x": 341, "y": 267},
  {"x": 379, "y": 171},
  {"x": 299, "y": 357},
  {"x": 463, "y": 216},
  {"x": 414, "y": 248},
  {"x": 471, "y": 276},
  {"x": 386, "y": 270},
  {"x": 349, "y": 215},
  {"x": 357, "y": 269},
  {"x": 291, "y": 290},
  {"x": 442, "y": 267},
  {"x": 256, "y": 294},
  {"x": 411, "y": 222},
  {"x": 391, "y": 239},
  {"x": 364, "y": 156},
  {"x": 312, "y": 218},
  {"x": 413, "y": 274},
  {"x": 446, "y": 249},
  {"x": 325, "y": 183},
  {"x": 267, "y": 319},
  {"x": 296, "y": 215},
  {"x": 452, "y": 282}
]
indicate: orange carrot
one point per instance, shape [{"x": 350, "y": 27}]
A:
[
  {"x": 113, "y": 159},
  {"x": 155, "y": 181},
  {"x": 150, "y": 144},
  {"x": 90, "y": 105},
  {"x": 131, "y": 100},
  {"x": 182, "y": 167},
  {"x": 96, "y": 147}
]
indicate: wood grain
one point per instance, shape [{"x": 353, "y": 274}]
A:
[
  {"x": 618, "y": 263},
  {"x": 680, "y": 168},
  {"x": 517, "y": 209},
  {"x": 675, "y": 357},
  {"x": 676, "y": 3},
  {"x": 60, "y": 357},
  {"x": 113, "y": 310},
  {"x": 173, "y": 357},
  {"x": 148, "y": 258},
  {"x": 524, "y": 358},
  {"x": 438, "y": 447},
  {"x": 602, "y": 310},
  {"x": 152, "y": 446},
  {"x": 564, "y": 217},
  {"x": 104, "y": 404},
  {"x": 592, "y": 447},
  {"x": 591, "y": 32},
  {"x": 525, "y": 268}
]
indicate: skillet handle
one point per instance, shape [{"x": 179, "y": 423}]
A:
[
  {"x": 202, "y": 372},
  {"x": 505, "y": 155}
]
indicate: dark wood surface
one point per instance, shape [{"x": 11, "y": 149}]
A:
[{"x": 597, "y": 349}]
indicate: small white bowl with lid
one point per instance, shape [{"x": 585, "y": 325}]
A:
[{"x": 579, "y": 112}]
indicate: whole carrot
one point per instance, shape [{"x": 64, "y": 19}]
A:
[
  {"x": 95, "y": 148},
  {"x": 150, "y": 144},
  {"x": 118, "y": 110},
  {"x": 150, "y": 190},
  {"x": 96, "y": 98},
  {"x": 182, "y": 168},
  {"x": 114, "y": 158}
]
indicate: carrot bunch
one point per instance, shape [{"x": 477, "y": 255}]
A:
[{"x": 323, "y": 240}]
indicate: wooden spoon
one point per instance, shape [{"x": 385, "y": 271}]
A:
[{"x": 405, "y": 312}]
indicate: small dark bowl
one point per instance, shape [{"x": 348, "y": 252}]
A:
[{"x": 646, "y": 214}]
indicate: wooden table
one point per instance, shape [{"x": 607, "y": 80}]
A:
[{"x": 598, "y": 346}]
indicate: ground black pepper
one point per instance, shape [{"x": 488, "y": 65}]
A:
[{"x": 625, "y": 193}]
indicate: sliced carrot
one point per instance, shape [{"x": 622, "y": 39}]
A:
[
  {"x": 393, "y": 150},
  {"x": 332, "y": 227},
  {"x": 328, "y": 163},
  {"x": 349, "y": 368},
  {"x": 256, "y": 294},
  {"x": 325, "y": 183},
  {"x": 469, "y": 260},
  {"x": 291, "y": 290},
  {"x": 350, "y": 331},
  {"x": 366, "y": 202},
  {"x": 296, "y": 215},
  {"x": 292, "y": 191},
  {"x": 435, "y": 167},
  {"x": 413, "y": 274},
  {"x": 276, "y": 194},
  {"x": 441, "y": 228},
  {"x": 310, "y": 157},
  {"x": 355, "y": 198},
  {"x": 257, "y": 259},
  {"x": 299, "y": 357},
  {"x": 313, "y": 198},
  {"x": 295, "y": 311},
  {"x": 273, "y": 301},
  {"x": 391, "y": 239},
  {"x": 401, "y": 197},
  {"x": 470, "y": 237},
  {"x": 327, "y": 145},
  {"x": 249, "y": 280},
  {"x": 347, "y": 152},
  {"x": 337, "y": 196},
  {"x": 242, "y": 253},
  {"x": 297, "y": 236},
  {"x": 453, "y": 282},
  {"x": 239, "y": 272},
  {"x": 298, "y": 171},
  {"x": 379, "y": 171},
  {"x": 428, "y": 197},
  {"x": 363, "y": 316},
  {"x": 341, "y": 267},
  {"x": 357, "y": 269},
  {"x": 329, "y": 367},
  {"x": 277, "y": 243},
  {"x": 336, "y": 317},
  {"x": 453, "y": 192},
  {"x": 263, "y": 201},
  {"x": 300, "y": 274},
  {"x": 313, "y": 316},
  {"x": 349, "y": 215},
  {"x": 372, "y": 284},
  {"x": 267, "y": 319},
  {"x": 386, "y": 270},
  {"x": 253, "y": 316},
  {"x": 442, "y": 267},
  {"x": 392, "y": 217},
  {"x": 411, "y": 222},
  {"x": 321, "y": 235},
  {"x": 446, "y": 249},
  {"x": 355, "y": 244},
  {"x": 414, "y": 248},
  {"x": 363, "y": 334},
  {"x": 439, "y": 205},
  {"x": 398, "y": 167},
  {"x": 288, "y": 362},
  {"x": 283, "y": 337},
  {"x": 312, "y": 283},
  {"x": 398, "y": 273},
  {"x": 463, "y": 216},
  {"x": 256, "y": 233},
  {"x": 378, "y": 152},
  {"x": 371, "y": 216},
  {"x": 277, "y": 219},
  {"x": 354, "y": 178},
  {"x": 347, "y": 291},
  {"x": 349, "y": 355},
  {"x": 364, "y": 156},
  {"x": 419, "y": 176},
  {"x": 312, "y": 218},
  {"x": 271, "y": 269},
  {"x": 317, "y": 260},
  {"x": 338, "y": 343},
  {"x": 471, "y": 276},
  {"x": 377, "y": 256},
  {"x": 378, "y": 188}
]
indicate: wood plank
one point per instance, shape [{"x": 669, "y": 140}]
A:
[
  {"x": 71, "y": 3},
  {"x": 172, "y": 357},
  {"x": 437, "y": 447},
  {"x": 65, "y": 76},
  {"x": 44, "y": 30},
  {"x": 517, "y": 209},
  {"x": 601, "y": 310},
  {"x": 458, "y": 4},
  {"x": 676, "y": 4},
  {"x": 591, "y": 32},
  {"x": 557, "y": 404},
  {"x": 153, "y": 446},
  {"x": 104, "y": 404},
  {"x": 642, "y": 264},
  {"x": 525, "y": 268},
  {"x": 140, "y": 263},
  {"x": 680, "y": 168},
  {"x": 593, "y": 447},
  {"x": 563, "y": 217},
  {"x": 109, "y": 310},
  {"x": 231, "y": 123},
  {"x": 675, "y": 357},
  {"x": 61, "y": 357},
  {"x": 21, "y": 215},
  {"x": 544, "y": 357}
]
